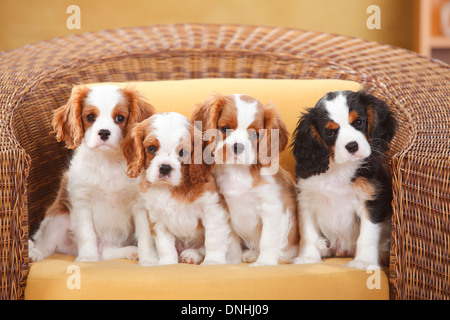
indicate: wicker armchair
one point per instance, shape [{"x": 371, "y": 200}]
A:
[{"x": 37, "y": 78}]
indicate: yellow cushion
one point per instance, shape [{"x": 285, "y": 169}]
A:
[
  {"x": 291, "y": 97},
  {"x": 122, "y": 279},
  {"x": 58, "y": 277}
]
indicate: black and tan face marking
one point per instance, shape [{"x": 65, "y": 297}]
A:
[{"x": 344, "y": 127}]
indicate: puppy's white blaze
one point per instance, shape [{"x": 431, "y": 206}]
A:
[
  {"x": 338, "y": 111},
  {"x": 246, "y": 112},
  {"x": 106, "y": 96},
  {"x": 170, "y": 128}
]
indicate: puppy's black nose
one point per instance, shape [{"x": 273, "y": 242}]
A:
[
  {"x": 104, "y": 134},
  {"x": 238, "y": 148},
  {"x": 352, "y": 147},
  {"x": 165, "y": 169}
]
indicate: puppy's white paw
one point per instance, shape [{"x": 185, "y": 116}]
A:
[
  {"x": 131, "y": 253},
  {"x": 35, "y": 254},
  {"x": 148, "y": 259},
  {"x": 148, "y": 262},
  {"x": 323, "y": 245},
  {"x": 306, "y": 260},
  {"x": 359, "y": 264},
  {"x": 260, "y": 263},
  {"x": 208, "y": 262},
  {"x": 166, "y": 261},
  {"x": 92, "y": 258},
  {"x": 249, "y": 256},
  {"x": 191, "y": 256}
]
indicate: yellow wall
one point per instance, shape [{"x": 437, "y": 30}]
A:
[{"x": 28, "y": 21}]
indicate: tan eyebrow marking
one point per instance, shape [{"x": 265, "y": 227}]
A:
[
  {"x": 352, "y": 116},
  {"x": 332, "y": 125}
]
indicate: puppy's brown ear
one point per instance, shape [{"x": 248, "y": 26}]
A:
[
  {"x": 67, "y": 119},
  {"x": 133, "y": 149},
  {"x": 275, "y": 137},
  {"x": 205, "y": 117},
  {"x": 208, "y": 112},
  {"x": 381, "y": 125},
  {"x": 200, "y": 169},
  {"x": 140, "y": 108}
]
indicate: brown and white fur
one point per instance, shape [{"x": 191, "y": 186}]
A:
[
  {"x": 92, "y": 216},
  {"x": 187, "y": 215},
  {"x": 261, "y": 200}
]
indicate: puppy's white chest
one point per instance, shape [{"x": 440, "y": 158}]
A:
[
  {"x": 334, "y": 203},
  {"x": 104, "y": 173},
  {"x": 236, "y": 184},
  {"x": 182, "y": 219},
  {"x": 233, "y": 181}
]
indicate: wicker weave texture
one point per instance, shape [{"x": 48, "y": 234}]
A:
[{"x": 36, "y": 79}]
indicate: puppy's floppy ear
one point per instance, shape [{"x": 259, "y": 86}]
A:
[
  {"x": 311, "y": 155},
  {"x": 140, "y": 108},
  {"x": 199, "y": 171},
  {"x": 133, "y": 149},
  {"x": 207, "y": 114},
  {"x": 209, "y": 111},
  {"x": 381, "y": 123},
  {"x": 67, "y": 119},
  {"x": 273, "y": 125}
]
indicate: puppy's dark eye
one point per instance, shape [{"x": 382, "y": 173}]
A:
[
  {"x": 182, "y": 153},
  {"x": 119, "y": 119},
  {"x": 151, "y": 149},
  {"x": 330, "y": 133},
  {"x": 358, "y": 123},
  {"x": 90, "y": 117},
  {"x": 224, "y": 129},
  {"x": 254, "y": 135}
]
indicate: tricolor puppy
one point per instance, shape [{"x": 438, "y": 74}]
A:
[
  {"x": 187, "y": 215},
  {"x": 246, "y": 141},
  {"x": 91, "y": 216},
  {"x": 344, "y": 185}
]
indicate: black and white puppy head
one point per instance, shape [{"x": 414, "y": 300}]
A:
[{"x": 343, "y": 127}]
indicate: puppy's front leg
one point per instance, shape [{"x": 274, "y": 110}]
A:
[
  {"x": 165, "y": 244},
  {"x": 310, "y": 237},
  {"x": 368, "y": 241},
  {"x": 147, "y": 253},
  {"x": 217, "y": 234},
  {"x": 275, "y": 225},
  {"x": 82, "y": 225}
]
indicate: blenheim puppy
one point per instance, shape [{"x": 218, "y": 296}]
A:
[
  {"x": 344, "y": 185},
  {"x": 188, "y": 217},
  {"x": 91, "y": 216},
  {"x": 246, "y": 141}
]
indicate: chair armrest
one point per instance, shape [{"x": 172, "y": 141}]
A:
[{"x": 14, "y": 169}]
